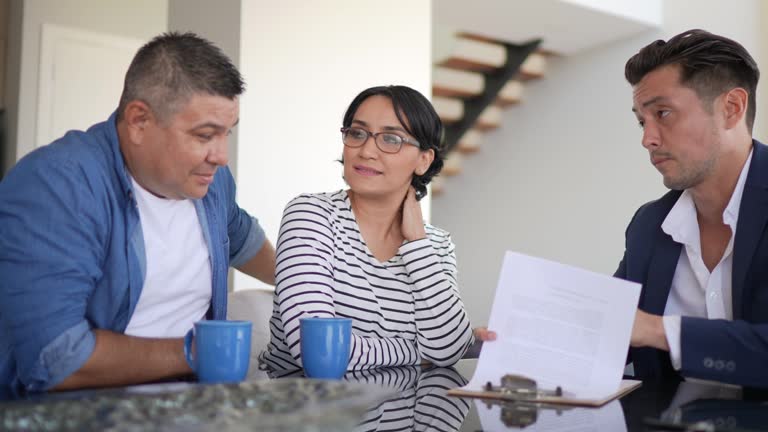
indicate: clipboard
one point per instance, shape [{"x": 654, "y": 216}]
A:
[
  {"x": 516, "y": 388},
  {"x": 548, "y": 315}
]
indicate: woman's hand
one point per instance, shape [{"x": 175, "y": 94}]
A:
[
  {"x": 412, "y": 225},
  {"x": 483, "y": 334}
]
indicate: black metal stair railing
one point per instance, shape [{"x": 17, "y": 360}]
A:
[{"x": 494, "y": 82}]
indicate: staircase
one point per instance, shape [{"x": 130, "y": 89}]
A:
[
  {"x": 473, "y": 80},
  {"x": 476, "y": 45}
]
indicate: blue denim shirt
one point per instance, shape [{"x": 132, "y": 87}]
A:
[{"x": 72, "y": 253}]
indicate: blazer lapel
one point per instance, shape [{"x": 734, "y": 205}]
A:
[
  {"x": 660, "y": 272},
  {"x": 753, "y": 215}
]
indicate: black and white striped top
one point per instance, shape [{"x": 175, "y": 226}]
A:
[{"x": 404, "y": 311}]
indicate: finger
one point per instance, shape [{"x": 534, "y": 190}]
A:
[
  {"x": 490, "y": 335},
  {"x": 411, "y": 194},
  {"x": 484, "y": 334},
  {"x": 407, "y": 197}
]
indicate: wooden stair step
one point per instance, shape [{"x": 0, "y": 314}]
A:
[
  {"x": 478, "y": 37},
  {"x": 489, "y": 119},
  {"x": 535, "y": 66},
  {"x": 456, "y": 83},
  {"x": 473, "y": 55},
  {"x": 449, "y": 110},
  {"x": 511, "y": 93},
  {"x": 452, "y": 164},
  {"x": 470, "y": 141}
]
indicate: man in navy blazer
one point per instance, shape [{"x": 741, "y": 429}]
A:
[{"x": 701, "y": 250}]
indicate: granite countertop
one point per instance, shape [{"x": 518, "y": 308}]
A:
[{"x": 291, "y": 404}]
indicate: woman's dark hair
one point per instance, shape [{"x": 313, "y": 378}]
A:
[
  {"x": 709, "y": 64},
  {"x": 418, "y": 118}
]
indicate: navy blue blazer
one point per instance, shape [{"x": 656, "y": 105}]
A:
[{"x": 728, "y": 351}]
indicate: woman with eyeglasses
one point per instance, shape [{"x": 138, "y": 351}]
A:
[{"x": 365, "y": 253}]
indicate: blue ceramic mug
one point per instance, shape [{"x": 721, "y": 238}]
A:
[
  {"x": 325, "y": 345},
  {"x": 222, "y": 350}
]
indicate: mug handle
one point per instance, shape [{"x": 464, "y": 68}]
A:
[{"x": 188, "y": 338}]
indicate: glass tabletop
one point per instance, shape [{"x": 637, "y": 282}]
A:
[
  {"x": 384, "y": 399},
  {"x": 422, "y": 403}
]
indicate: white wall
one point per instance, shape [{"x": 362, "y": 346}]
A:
[
  {"x": 219, "y": 22},
  {"x": 141, "y": 19},
  {"x": 5, "y": 150},
  {"x": 11, "y": 84},
  {"x": 3, "y": 40},
  {"x": 564, "y": 174},
  {"x": 304, "y": 62}
]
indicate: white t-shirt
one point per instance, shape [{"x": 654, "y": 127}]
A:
[{"x": 177, "y": 286}]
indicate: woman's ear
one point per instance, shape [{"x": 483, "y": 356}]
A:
[{"x": 425, "y": 160}]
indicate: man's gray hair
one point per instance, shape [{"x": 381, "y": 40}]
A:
[{"x": 172, "y": 67}]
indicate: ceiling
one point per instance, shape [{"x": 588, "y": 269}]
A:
[{"x": 566, "y": 26}]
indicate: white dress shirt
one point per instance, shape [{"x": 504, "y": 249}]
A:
[{"x": 695, "y": 292}]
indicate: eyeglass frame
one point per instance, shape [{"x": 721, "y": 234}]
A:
[{"x": 369, "y": 134}]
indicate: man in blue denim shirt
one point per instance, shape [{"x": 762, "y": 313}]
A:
[{"x": 83, "y": 221}]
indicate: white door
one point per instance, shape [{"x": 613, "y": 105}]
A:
[{"x": 81, "y": 78}]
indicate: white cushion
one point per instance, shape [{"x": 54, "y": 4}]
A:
[{"x": 253, "y": 305}]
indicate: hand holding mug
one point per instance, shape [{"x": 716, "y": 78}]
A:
[{"x": 221, "y": 352}]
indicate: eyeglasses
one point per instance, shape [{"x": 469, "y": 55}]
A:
[{"x": 387, "y": 142}]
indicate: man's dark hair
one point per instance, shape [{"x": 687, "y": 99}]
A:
[
  {"x": 172, "y": 67},
  {"x": 709, "y": 64},
  {"x": 419, "y": 119}
]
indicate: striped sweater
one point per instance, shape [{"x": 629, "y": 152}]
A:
[{"x": 404, "y": 311}]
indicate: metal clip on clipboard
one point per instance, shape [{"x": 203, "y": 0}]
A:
[
  {"x": 521, "y": 403},
  {"x": 520, "y": 388}
]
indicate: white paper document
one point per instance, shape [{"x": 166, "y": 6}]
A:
[{"x": 559, "y": 325}]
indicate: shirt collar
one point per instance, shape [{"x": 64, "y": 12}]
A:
[{"x": 681, "y": 223}]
